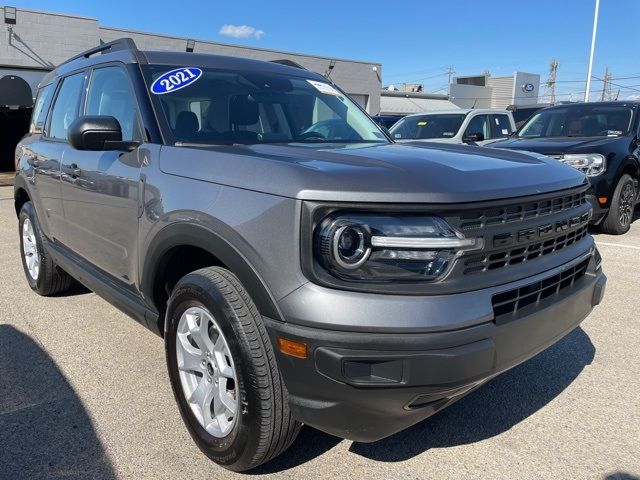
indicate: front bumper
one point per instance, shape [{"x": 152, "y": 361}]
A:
[
  {"x": 365, "y": 386},
  {"x": 599, "y": 211}
]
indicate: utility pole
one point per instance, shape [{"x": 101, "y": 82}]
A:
[
  {"x": 450, "y": 71},
  {"x": 551, "y": 81},
  {"x": 606, "y": 86},
  {"x": 593, "y": 45}
]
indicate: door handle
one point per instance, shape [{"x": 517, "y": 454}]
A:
[{"x": 75, "y": 171}]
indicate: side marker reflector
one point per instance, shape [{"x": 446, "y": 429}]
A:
[
  {"x": 292, "y": 348},
  {"x": 602, "y": 199}
]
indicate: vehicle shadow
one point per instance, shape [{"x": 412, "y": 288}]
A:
[
  {"x": 46, "y": 431},
  {"x": 492, "y": 409},
  {"x": 76, "y": 288},
  {"x": 621, "y": 476}
]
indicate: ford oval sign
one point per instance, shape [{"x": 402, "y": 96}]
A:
[
  {"x": 528, "y": 87},
  {"x": 175, "y": 80}
]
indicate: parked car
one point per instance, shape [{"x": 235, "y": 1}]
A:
[
  {"x": 358, "y": 286},
  {"x": 481, "y": 126},
  {"x": 599, "y": 139}
]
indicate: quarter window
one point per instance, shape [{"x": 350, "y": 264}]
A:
[
  {"x": 65, "y": 108},
  {"x": 40, "y": 108},
  {"x": 110, "y": 94}
]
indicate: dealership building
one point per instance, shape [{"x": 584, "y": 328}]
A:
[
  {"x": 487, "y": 91},
  {"x": 34, "y": 42}
]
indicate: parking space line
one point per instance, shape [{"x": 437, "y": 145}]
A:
[{"x": 622, "y": 245}]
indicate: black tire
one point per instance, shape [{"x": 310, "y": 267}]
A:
[
  {"x": 620, "y": 215},
  {"x": 263, "y": 426},
  {"x": 51, "y": 279}
]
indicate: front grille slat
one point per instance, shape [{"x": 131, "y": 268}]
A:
[
  {"x": 513, "y": 255},
  {"x": 508, "y": 303},
  {"x": 480, "y": 219}
]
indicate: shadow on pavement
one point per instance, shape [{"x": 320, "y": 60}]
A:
[
  {"x": 492, "y": 409},
  {"x": 621, "y": 476},
  {"x": 45, "y": 430}
]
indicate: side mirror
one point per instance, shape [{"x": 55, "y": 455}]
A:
[
  {"x": 97, "y": 133},
  {"x": 473, "y": 137}
]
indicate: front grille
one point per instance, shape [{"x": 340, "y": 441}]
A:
[
  {"x": 511, "y": 301},
  {"x": 514, "y": 255},
  {"x": 479, "y": 219}
]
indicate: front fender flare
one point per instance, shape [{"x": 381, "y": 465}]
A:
[{"x": 186, "y": 234}]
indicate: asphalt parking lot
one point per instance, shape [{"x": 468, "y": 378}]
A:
[{"x": 84, "y": 394}]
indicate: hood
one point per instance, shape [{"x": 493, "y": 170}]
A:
[
  {"x": 432, "y": 173},
  {"x": 558, "y": 145},
  {"x": 427, "y": 140}
]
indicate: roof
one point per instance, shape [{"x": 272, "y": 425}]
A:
[
  {"x": 620, "y": 103},
  {"x": 124, "y": 50},
  {"x": 405, "y": 104},
  {"x": 463, "y": 111},
  {"x": 225, "y": 62}
]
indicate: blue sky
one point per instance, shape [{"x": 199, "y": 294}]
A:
[{"x": 414, "y": 42}]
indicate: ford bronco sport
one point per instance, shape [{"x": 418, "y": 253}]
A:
[{"x": 339, "y": 280}]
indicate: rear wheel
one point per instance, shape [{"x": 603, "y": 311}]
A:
[
  {"x": 43, "y": 275},
  {"x": 223, "y": 372},
  {"x": 618, "y": 220}
]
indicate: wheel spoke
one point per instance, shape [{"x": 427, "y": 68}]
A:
[
  {"x": 191, "y": 358},
  {"x": 221, "y": 353},
  {"x": 199, "y": 329},
  {"x": 225, "y": 397}
]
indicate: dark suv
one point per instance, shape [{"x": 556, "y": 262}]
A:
[
  {"x": 337, "y": 280},
  {"x": 599, "y": 139}
]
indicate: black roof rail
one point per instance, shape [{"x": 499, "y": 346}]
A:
[
  {"x": 288, "y": 63},
  {"x": 114, "y": 46}
]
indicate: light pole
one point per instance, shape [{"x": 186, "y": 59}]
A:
[{"x": 593, "y": 45}]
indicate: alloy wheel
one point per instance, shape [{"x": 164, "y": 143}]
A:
[
  {"x": 30, "y": 249},
  {"x": 625, "y": 209},
  {"x": 207, "y": 372}
]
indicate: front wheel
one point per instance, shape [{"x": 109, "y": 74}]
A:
[
  {"x": 223, "y": 372},
  {"x": 618, "y": 220}
]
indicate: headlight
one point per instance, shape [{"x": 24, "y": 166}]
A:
[
  {"x": 385, "y": 248},
  {"x": 592, "y": 164}
]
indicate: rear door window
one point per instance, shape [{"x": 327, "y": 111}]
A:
[
  {"x": 66, "y": 106},
  {"x": 500, "y": 126},
  {"x": 479, "y": 126}
]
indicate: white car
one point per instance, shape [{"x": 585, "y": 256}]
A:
[{"x": 480, "y": 126}]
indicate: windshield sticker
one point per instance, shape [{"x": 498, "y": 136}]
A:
[
  {"x": 505, "y": 131},
  {"x": 613, "y": 133},
  {"x": 422, "y": 124},
  {"x": 324, "y": 87},
  {"x": 175, "y": 80}
]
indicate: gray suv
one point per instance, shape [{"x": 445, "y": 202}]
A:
[{"x": 299, "y": 265}]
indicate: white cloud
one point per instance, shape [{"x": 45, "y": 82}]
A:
[
  {"x": 635, "y": 96},
  {"x": 241, "y": 31}
]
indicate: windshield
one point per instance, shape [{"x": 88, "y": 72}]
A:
[
  {"x": 240, "y": 107},
  {"x": 427, "y": 126},
  {"x": 579, "y": 121}
]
